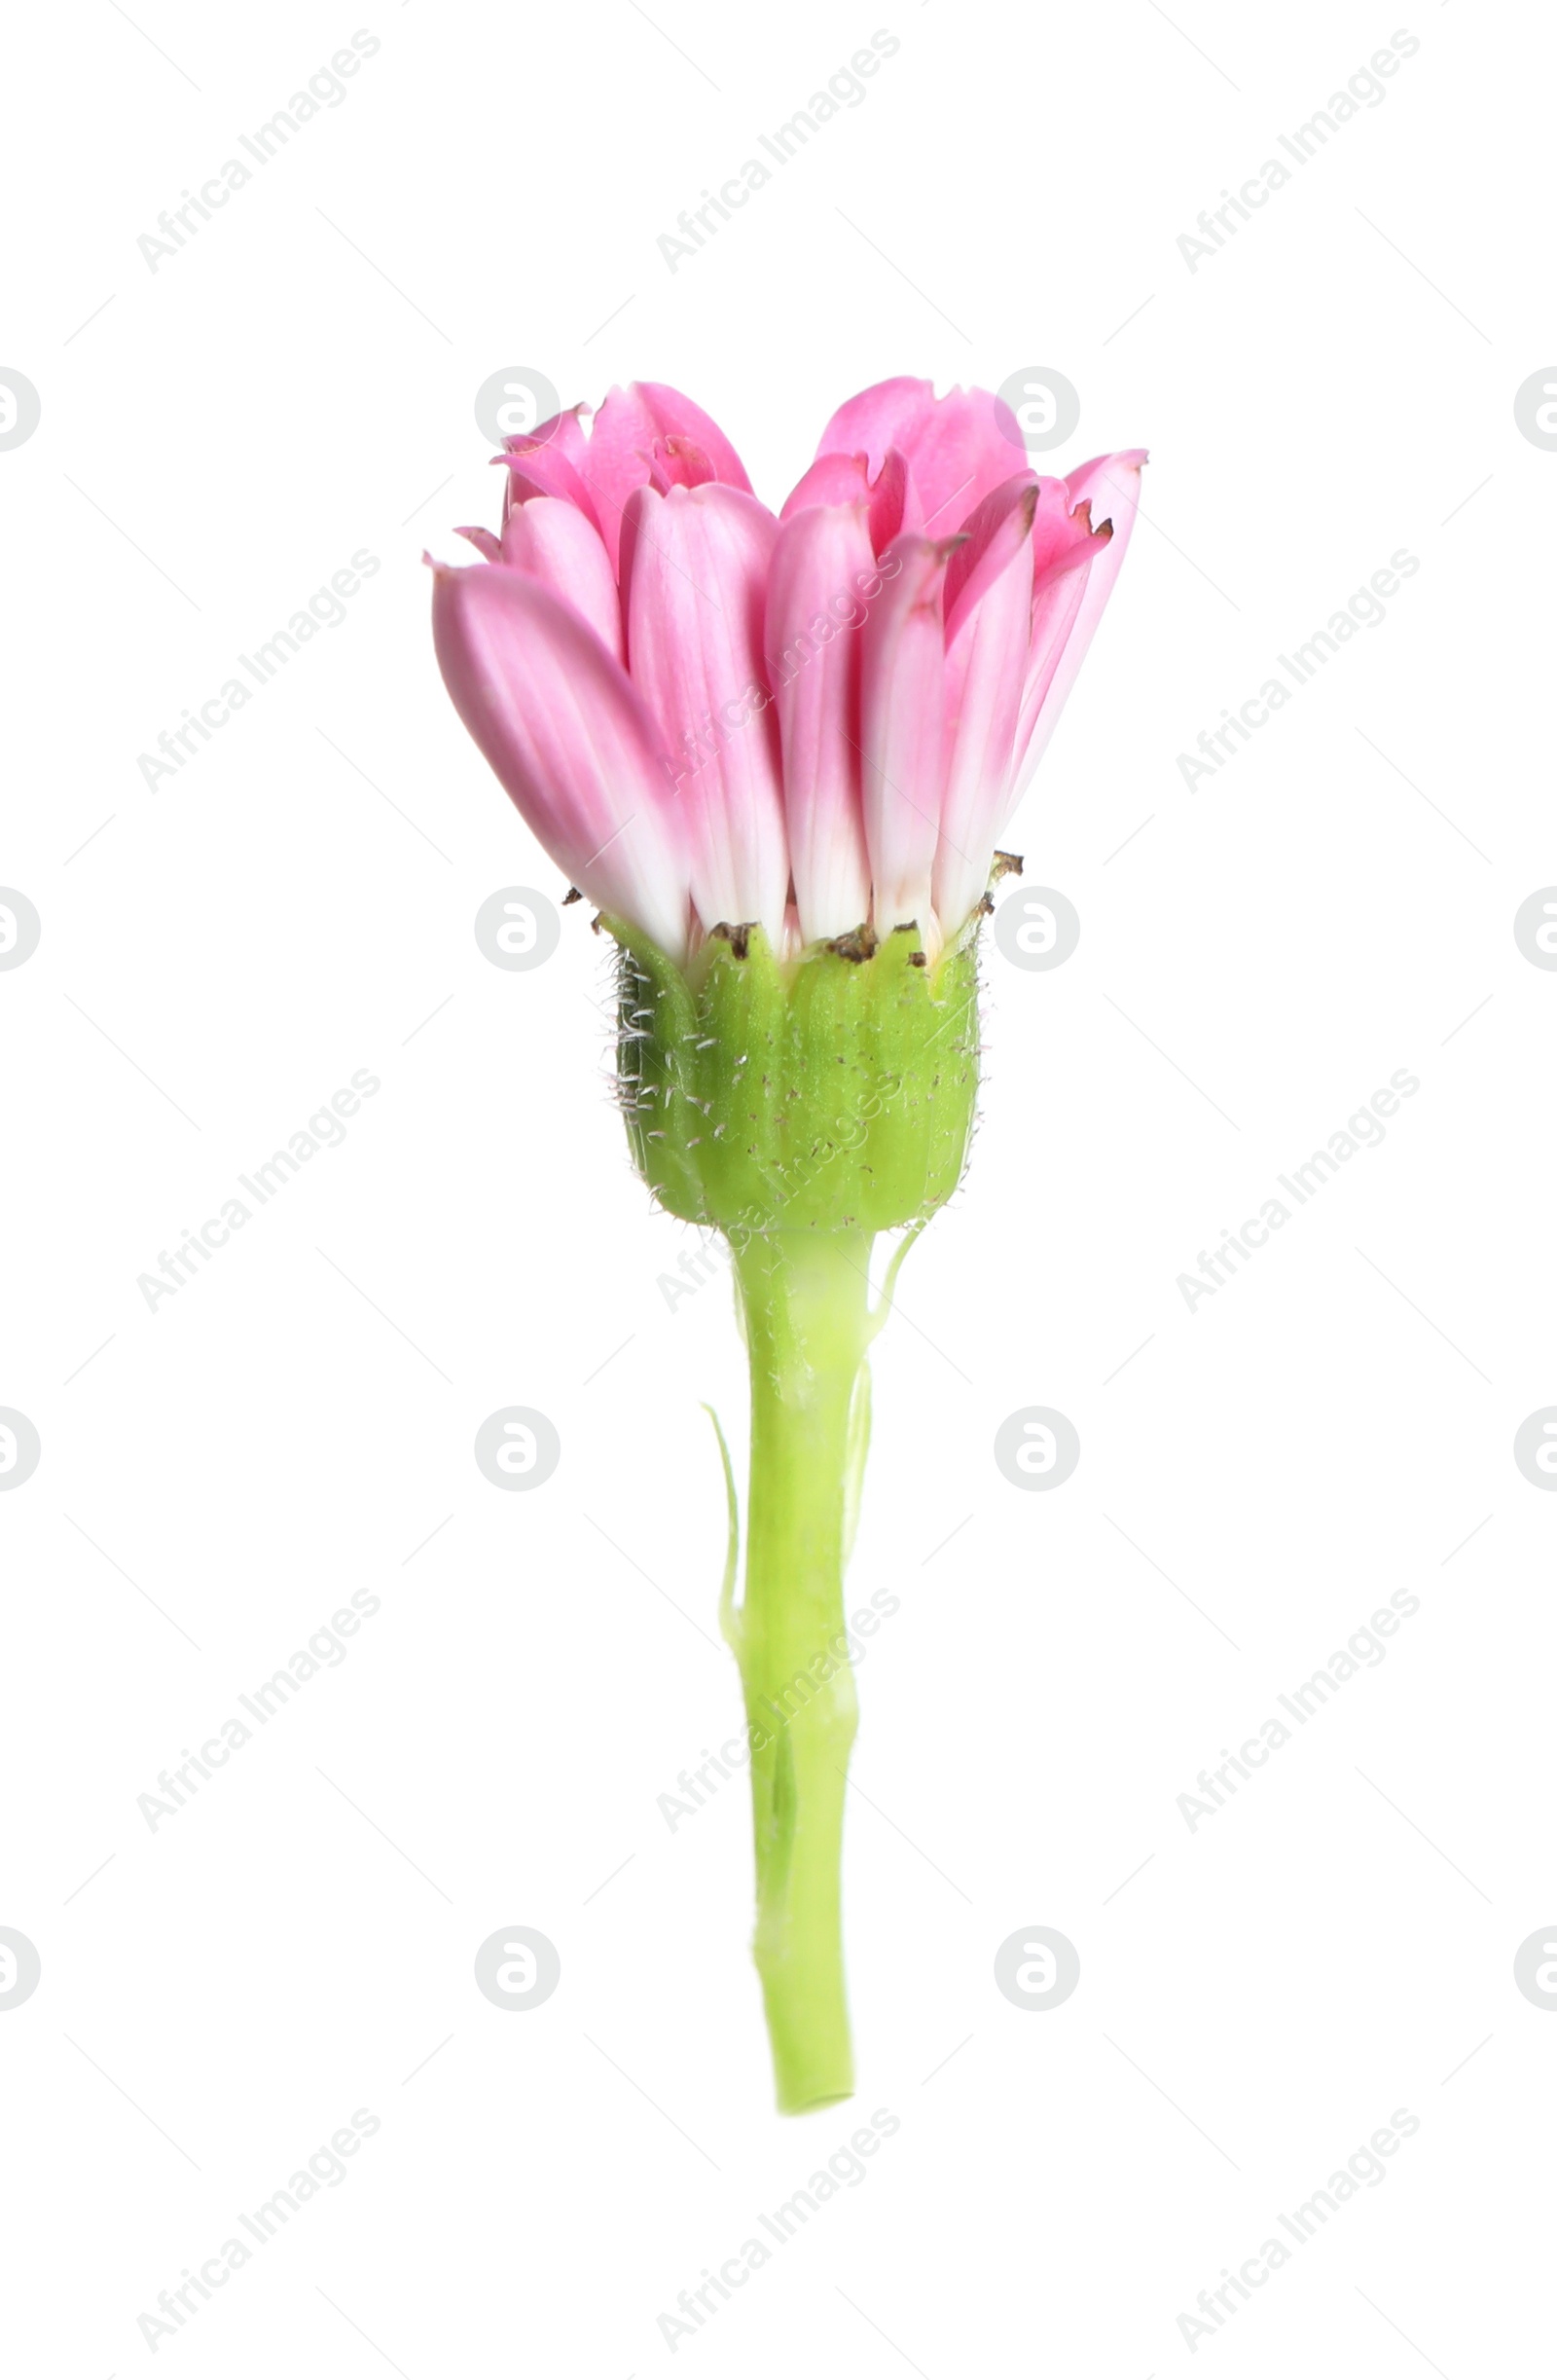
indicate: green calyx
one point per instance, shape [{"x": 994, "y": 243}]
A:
[{"x": 833, "y": 1091}]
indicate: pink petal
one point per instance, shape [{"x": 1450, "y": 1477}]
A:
[
  {"x": 677, "y": 417},
  {"x": 891, "y": 413},
  {"x": 987, "y": 624},
  {"x": 903, "y": 732},
  {"x": 819, "y": 587},
  {"x": 970, "y": 444},
  {"x": 895, "y": 504},
  {"x": 568, "y": 740},
  {"x": 1056, "y": 604},
  {"x": 483, "y": 541},
  {"x": 527, "y": 477},
  {"x": 832, "y": 479},
  {"x": 1110, "y": 487},
  {"x": 555, "y": 543},
  {"x": 992, "y": 534},
  {"x": 959, "y": 447},
  {"x": 550, "y": 461},
  {"x": 623, "y": 439},
  {"x": 563, "y": 432},
  {"x": 694, "y": 575},
  {"x": 678, "y": 463},
  {"x": 845, "y": 479}
]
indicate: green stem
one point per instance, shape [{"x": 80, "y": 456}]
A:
[{"x": 803, "y": 1299}]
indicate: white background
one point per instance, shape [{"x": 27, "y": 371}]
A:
[{"x": 217, "y": 438}]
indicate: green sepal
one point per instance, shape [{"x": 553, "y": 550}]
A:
[{"x": 833, "y": 1091}]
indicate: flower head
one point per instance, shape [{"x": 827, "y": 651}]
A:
[{"x": 812, "y": 721}]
